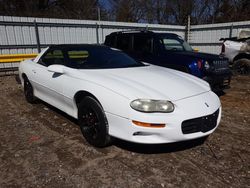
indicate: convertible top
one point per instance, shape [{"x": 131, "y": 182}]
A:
[{"x": 78, "y": 45}]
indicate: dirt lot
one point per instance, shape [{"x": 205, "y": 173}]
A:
[{"x": 42, "y": 147}]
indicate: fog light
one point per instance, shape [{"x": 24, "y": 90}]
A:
[{"x": 142, "y": 134}]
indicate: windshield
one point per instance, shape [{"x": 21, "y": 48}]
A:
[
  {"x": 175, "y": 43},
  {"x": 100, "y": 58}
]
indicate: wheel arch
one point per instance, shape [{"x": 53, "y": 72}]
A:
[
  {"x": 23, "y": 77},
  {"x": 241, "y": 56},
  {"x": 110, "y": 101},
  {"x": 79, "y": 95}
]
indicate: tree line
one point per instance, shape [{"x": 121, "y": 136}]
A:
[{"x": 144, "y": 11}]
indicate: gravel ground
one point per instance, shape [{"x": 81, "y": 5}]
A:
[{"x": 42, "y": 147}]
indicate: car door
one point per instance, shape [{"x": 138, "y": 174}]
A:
[
  {"x": 48, "y": 85},
  {"x": 77, "y": 58},
  {"x": 171, "y": 54}
]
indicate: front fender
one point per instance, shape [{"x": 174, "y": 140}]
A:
[{"x": 111, "y": 101}]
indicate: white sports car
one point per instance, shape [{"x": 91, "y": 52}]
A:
[{"x": 111, "y": 94}]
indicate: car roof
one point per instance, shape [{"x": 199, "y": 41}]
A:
[{"x": 148, "y": 32}]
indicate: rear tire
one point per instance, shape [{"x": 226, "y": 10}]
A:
[
  {"x": 93, "y": 122},
  {"x": 241, "y": 66},
  {"x": 28, "y": 91}
]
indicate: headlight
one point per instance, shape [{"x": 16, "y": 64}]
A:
[
  {"x": 206, "y": 65},
  {"x": 147, "y": 105}
]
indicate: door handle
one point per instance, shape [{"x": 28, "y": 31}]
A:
[{"x": 34, "y": 71}]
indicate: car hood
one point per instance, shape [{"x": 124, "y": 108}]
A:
[
  {"x": 149, "y": 82},
  {"x": 196, "y": 55}
]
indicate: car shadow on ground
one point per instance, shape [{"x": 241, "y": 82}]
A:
[
  {"x": 220, "y": 93},
  {"x": 158, "y": 148}
]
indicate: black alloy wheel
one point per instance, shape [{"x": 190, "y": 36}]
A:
[
  {"x": 28, "y": 91},
  {"x": 93, "y": 122}
]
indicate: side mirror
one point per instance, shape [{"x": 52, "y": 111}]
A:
[
  {"x": 56, "y": 69},
  {"x": 196, "y": 49}
]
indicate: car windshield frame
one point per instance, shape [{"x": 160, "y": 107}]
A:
[
  {"x": 185, "y": 46},
  {"x": 102, "y": 58}
]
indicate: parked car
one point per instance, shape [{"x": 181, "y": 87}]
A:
[
  {"x": 111, "y": 94},
  {"x": 170, "y": 50},
  {"x": 237, "y": 50}
]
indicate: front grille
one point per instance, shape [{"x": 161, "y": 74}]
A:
[
  {"x": 220, "y": 65},
  {"x": 201, "y": 124}
]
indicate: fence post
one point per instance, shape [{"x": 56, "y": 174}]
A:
[
  {"x": 37, "y": 37},
  {"x": 103, "y": 39},
  {"x": 97, "y": 34},
  {"x": 187, "y": 33},
  {"x": 231, "y": 31}
]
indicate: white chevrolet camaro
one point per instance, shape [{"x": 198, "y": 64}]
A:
[{"x": 112, "y": 95}]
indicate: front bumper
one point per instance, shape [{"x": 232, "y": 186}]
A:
[
  {"x": 186, "y": 110},
  {"x": 219, "y": 82}
]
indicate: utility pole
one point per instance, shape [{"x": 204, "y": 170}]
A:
[{"x": 97, "y": 24}]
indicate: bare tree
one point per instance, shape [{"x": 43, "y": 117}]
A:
[
  {"x": 126, "y": 10},
  {"x": 78, "y": 9},
  {"x": 150, "y": 11}
]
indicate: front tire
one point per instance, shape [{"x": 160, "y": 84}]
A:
[
  {"x": 93, "y": 122},
  {"x": 241, "y": 66},
  {"x": 28, "y": 91}
]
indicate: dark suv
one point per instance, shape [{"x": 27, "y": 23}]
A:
[{"x": 170, "y": 50}]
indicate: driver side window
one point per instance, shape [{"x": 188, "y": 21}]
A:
[
  {"x": 172, "y": 44},
  {"x": 52, "y": 57}
]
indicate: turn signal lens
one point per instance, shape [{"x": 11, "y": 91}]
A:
[
  {"x": 152, "y": 125},
  {"x": 199, "y": 63}
]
